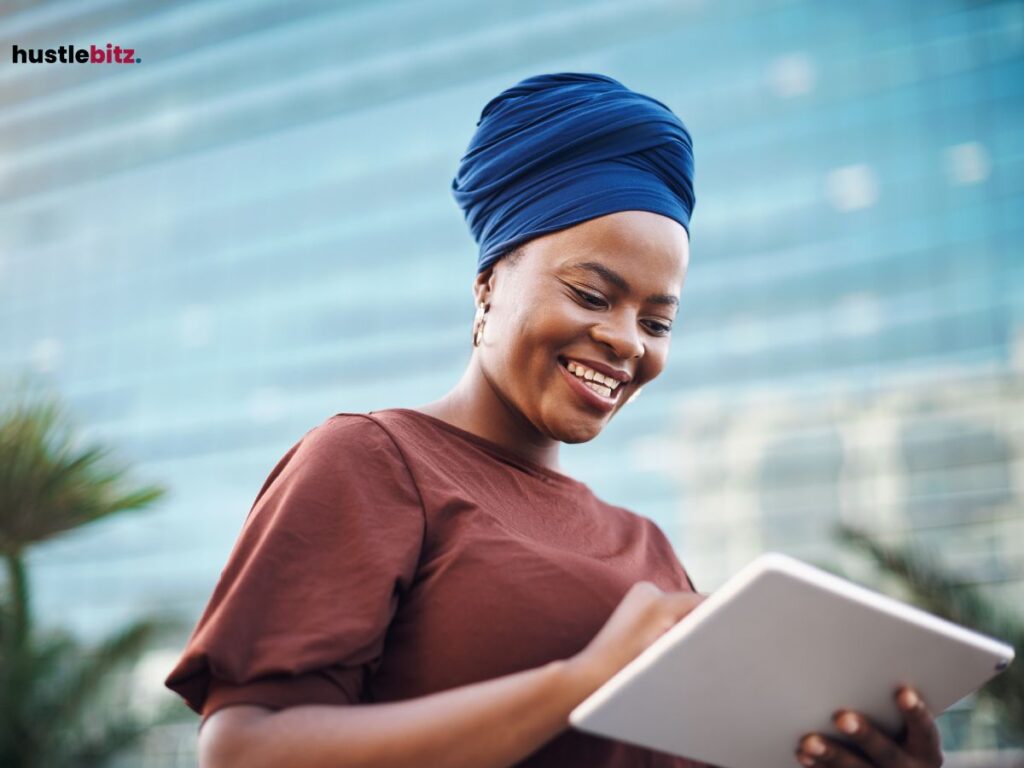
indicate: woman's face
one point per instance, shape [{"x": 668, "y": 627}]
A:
[{"x": 605, "y": 292}]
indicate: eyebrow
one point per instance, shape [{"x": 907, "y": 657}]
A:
[{"x": 619, "y": 281}]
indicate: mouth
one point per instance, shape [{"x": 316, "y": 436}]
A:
[{"x": 598, "y": 396}]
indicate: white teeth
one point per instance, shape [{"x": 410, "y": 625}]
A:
[
  {"x": 588, "y": 374},
  {"x": 598, "y": 388}
]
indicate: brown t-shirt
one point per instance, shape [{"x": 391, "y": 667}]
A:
[{"x": 391, "y": 555}]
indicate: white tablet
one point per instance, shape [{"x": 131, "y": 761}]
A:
[{"x": 771, "y": 655}]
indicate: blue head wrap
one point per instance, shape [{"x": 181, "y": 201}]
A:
[{"x": 556, "y": 150}]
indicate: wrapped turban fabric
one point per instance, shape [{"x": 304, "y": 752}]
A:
[{"x": 556, "y": 150}]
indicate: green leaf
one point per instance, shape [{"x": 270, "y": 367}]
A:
[{"x": 62, "y": 705}]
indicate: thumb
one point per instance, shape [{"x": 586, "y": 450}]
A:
[{"x": 684, "y": 602}]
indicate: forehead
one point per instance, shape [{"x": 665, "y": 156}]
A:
[{"x": 649, "y": 250}]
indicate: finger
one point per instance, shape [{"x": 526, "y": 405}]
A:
[
  {"x": 681, "y": 603},
  {"x": 922, "y": 739},
  {"x": 882, "y": 750},
  {"x": 817, "y": 751}
]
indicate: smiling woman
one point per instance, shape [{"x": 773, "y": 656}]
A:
[
  {"x": 424, "y": 586},
  {"x": 602, "y": 293}
]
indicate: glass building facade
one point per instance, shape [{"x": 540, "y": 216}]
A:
[{"x": 211, "y": 251}]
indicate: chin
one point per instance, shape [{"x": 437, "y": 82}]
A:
[{"x": 579, "y": 431}]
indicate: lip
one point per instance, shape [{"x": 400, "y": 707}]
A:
[
  {"x": 589, "y": 396},
  {"x": 614, "y": 373}
]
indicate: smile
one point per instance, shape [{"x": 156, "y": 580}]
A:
[{"x": 596, "y": 390}]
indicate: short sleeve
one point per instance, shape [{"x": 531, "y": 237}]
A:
[
  {"x": 669, "y": 557},
  {"x": 302, "y": 606}
]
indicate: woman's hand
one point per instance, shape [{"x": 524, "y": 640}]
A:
[
  {"x": 643, "y": 615},
  {"x": 918, "y": 748}
]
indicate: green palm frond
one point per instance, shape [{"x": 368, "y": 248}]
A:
[
  {"x": 59, "y": 712},
  {"x": 37, "y": 665},
  {"x": 61, "y": 704},
  {"x": 116, "y": 652},
  {"x": 943, "y": 594},
  {"x": 48, "y": 484}
]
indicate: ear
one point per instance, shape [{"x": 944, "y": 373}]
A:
[{"x": 483, "y": 285}]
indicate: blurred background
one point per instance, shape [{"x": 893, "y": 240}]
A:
[{"x": 210, "y": 252}]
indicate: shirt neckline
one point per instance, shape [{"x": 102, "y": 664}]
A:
[{"x": 503, "y": 453}]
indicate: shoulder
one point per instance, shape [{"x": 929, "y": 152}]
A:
[
  {"x": 347, "y": 456},
  {"x": 340, "y": 448},
  {"x": 347, "y": 436}
]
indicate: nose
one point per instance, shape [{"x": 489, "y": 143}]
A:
[{"x": 620, "y": 332}]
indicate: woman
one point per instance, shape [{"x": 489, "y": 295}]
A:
[{"x": 424, "y": 586}]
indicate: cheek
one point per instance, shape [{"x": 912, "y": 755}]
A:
[
  {"x": 654, "y": 361},
  {"x": 545, "y": 321},
  {"x": 522, "y": 346}
]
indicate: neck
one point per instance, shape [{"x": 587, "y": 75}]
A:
[{"x": 476, "y": 405}]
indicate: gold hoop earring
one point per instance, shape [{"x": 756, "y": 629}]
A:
[{"x": 478, "y": 325}]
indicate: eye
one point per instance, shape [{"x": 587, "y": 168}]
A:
[
  {"x": 594, "y": 301},
  {"x": 659, "y": 329}
]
